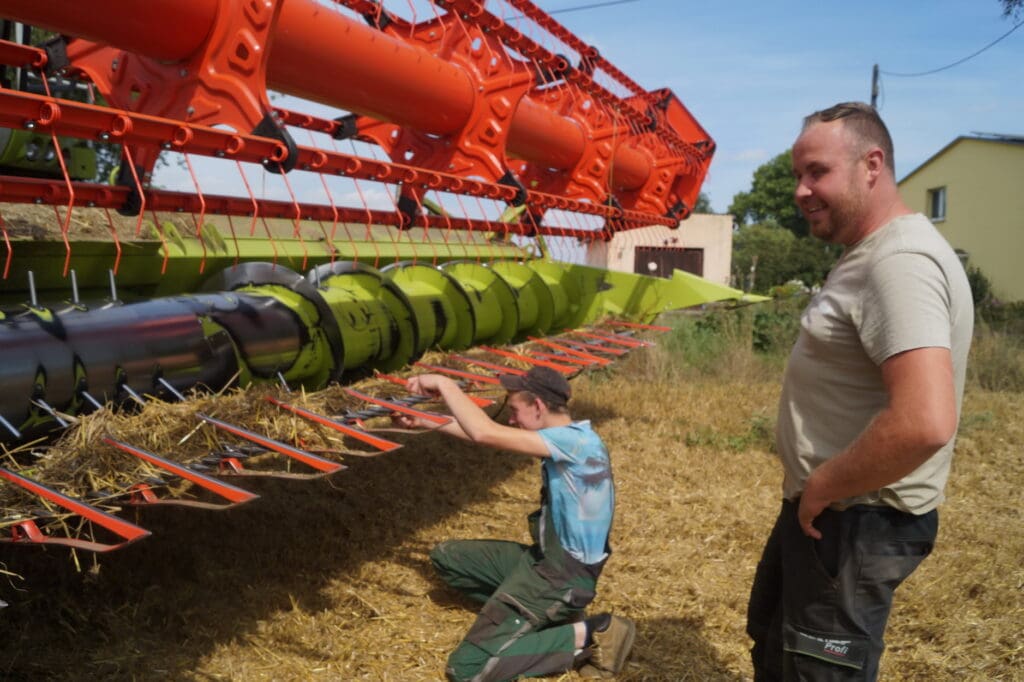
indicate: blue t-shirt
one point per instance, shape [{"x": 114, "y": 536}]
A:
[{"x": 580, "y": 489}]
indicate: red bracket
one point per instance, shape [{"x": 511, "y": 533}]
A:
[
  {"x": 477, "y": 400},
  {"x": 478, "y": 378},
  {"x": 620, "y": 340},
  {"x": 221, "y": 82},
  {"x": 564, "y": 358},
  {"x": 381, "y": 444},
  {"x": 564, "y": 369},
  {"x": 143, "y": 493},
  {"x": 325, "y": 466},
  {"x": 589, "y": 179},
  {"x": 494, "y": 367},
  {"x": 571, "y": 351},
  {"x": 28, "y": 531},
  {"x": 500, "y": 82},
  {"x": 594, "y": 347},
  {"x": 438, "y": 419}
]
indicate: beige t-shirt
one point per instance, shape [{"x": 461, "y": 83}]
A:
[{"x": 901, "y": 287}]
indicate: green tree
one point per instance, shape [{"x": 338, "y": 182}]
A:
[
  {"x": 1011, "y": 8},
  {"x": 765, "y": 256},
  {"x": 770, "y": 199},
  {"x": 703, "y": 204}
]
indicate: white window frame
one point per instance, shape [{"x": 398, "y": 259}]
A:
[{"x": 937, "y": 204}]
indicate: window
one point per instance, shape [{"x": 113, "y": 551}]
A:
[{"x": 937, "y": 203}]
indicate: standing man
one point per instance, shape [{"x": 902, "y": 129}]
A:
[
  {"x": 868, "y": 413},
  {"x": 534, "y": 595}
]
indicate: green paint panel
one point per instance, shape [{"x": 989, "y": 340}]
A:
[
  {"x": 493, "y": 300},
  {"x": 533, "y": 297},
  {"x": 444, "y": 312},
  {"x": 374, "y": 317}
]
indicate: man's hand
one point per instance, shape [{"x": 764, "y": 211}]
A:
[
  {"x": 426, "y": 384},
  {"x": 812, "y": 503},
  {"x": 408, "y": 421}
]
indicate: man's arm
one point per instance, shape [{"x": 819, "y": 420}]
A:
[
  {"x": 473, "y": 423},
  {"x": 919, "y": 419}
]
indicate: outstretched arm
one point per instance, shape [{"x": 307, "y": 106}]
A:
[
  {"x": 473, "y": 423},
  {"x": 919, "y": 419}
]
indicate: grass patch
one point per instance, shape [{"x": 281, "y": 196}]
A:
[{"x": 997, "y": 359}]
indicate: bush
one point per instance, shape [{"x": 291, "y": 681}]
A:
[
  {"x": 981, "y": 287},
  {"x": 777, "y": 324}
]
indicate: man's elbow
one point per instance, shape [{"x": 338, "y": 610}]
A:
[
  {"x": 933, "y": 432},
  {"x": 481, "y": 435}
]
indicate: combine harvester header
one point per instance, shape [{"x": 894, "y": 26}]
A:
[{"x": 421, "y": 177}]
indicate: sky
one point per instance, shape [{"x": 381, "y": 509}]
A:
[{"x": 750, "y": 71}]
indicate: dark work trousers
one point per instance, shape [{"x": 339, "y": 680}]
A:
[
  {"x": 531, "y": 594},
  {"x": 818, "y": 608}
]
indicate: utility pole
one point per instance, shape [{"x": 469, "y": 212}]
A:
[{"x": 874, "y": 86}]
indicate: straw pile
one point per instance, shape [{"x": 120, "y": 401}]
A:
[{"x": 329, "y": 580}]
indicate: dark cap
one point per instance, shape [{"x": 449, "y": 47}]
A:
[{"x": 544, "y": 382}]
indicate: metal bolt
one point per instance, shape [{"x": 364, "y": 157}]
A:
[
  {"x": 183, "y": 73},
  {"x": 104, "y": 136},
  {"x": 30, "y": 125},
  {"x": 114, "y": 64},
  {"x": 190, "y": 111}
]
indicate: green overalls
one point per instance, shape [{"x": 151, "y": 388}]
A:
[{"x": 532, "y": 596}]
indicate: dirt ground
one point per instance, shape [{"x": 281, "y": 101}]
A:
[{"x": 329, "y": 580}]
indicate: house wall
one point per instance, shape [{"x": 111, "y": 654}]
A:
[
  {"x": 984, "y": 181},
  {"x": 711, "y": 232}
]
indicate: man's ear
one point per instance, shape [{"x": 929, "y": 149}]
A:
[{"x": 875, "y": 162}]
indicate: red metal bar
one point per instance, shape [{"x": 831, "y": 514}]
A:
[
  {"x": 89, "y": 122},
  {"x": 571, "y": 351},
  {"x": 381, "y": 444},
  {"x": 225, "y": 490},
  {"x": 328, "y": 57},
  {"x": 630, "y": 343},
  {"x": 480, "y": 378},
  {"x": 593, "y": 347},
  {"x": 477, "y": 400},
  {"x": 318, "y": 463},
  {"x": 27, "y": 531},
  {"x": 438, "y": 419},
  {"x": 494, "y": 367},
  {"x": 167, "y": 30},
  {"x": 16, "y": 54},
  {"x": 563, "y": 358},
  {"x": 564, "y": 369}
]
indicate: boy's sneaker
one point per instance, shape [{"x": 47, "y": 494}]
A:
[{"x": 611, "y": 647}]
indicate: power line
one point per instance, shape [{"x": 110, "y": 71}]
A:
[
  {"x": 590, "y": 6},
  {"x": 956, "y": 63},
  {"x": 578, "y": 8}
]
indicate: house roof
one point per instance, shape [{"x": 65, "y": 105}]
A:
[{"x": 998, "y": 138}]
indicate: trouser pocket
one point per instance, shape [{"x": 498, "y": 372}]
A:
[{"x": 821, "y": 655}]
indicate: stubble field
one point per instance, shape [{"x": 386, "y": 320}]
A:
[{"x": 330, "y": 580}]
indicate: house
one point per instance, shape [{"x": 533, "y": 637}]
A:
[
  {"x": 973, "y": 191},
  {"x": 700, "y": 245}
]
